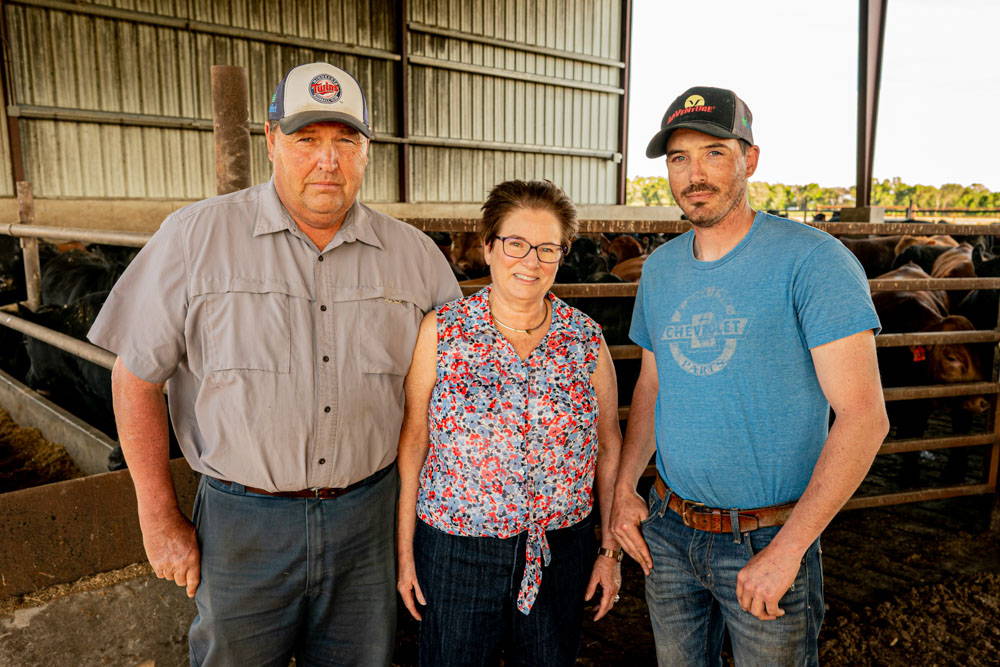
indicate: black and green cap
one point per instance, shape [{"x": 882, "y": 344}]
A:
[{"x": 715, "y": 111}]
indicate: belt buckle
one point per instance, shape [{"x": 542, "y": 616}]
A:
[{"x": 316, "y": 492}]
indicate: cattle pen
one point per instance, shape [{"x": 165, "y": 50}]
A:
[
  {"x": 627, "y": 290},
  {"x": 64, "y": 531}
]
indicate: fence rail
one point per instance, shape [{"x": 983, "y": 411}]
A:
[{"x": 105, "y": 359}]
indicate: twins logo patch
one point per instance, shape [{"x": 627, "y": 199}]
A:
[
  {"x": 324, "y": 88},
  {"x": 704, "y": 331}
]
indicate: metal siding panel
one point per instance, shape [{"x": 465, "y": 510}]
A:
[
  {"x": 260, "y": 166},
  {"x": 257, "y": 14},
  {"x": 38, "y": 141},
  {"x": 381, "y": 182},
  {"x": 120, "y": 66},
  {"x": 92, "y": 180},
  {"x": 108, "y": 68},
  {"x": 113, "y": 171},
  {"x": 469, "y": 175},
  {"x": 479, "y": 105},
  {"x": 67, "y": 156},
  {"x": 17, "y": 63}
]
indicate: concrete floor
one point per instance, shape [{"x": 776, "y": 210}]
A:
[{"x": 140, "y": 621}]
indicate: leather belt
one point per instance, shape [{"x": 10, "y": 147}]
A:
[
  {"x": 713, "y": 520},
  {"x": 318, "y": 493}
]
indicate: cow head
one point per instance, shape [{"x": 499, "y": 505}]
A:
[
  {"x": 467, "y": 253},
  {"x": 986, "y": 264},
  {"x": 949, "y": 363},
  {"x": 958, "y": 363}
]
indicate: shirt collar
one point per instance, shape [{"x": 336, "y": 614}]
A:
[{"x": 272, "y": 216}]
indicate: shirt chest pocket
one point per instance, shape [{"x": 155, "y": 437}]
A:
[
  {"x": 386, "y": 320},
  {"x": 246, "y": 325}
]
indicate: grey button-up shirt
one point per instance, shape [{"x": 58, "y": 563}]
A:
[{"x": 284, "y": 365}]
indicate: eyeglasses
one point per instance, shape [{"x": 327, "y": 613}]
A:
[{"x": 517, "y": 248}]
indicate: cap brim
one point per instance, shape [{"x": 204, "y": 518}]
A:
[
  {"x": 658, "y": 144},
  {"x": 296, "y": 122}
]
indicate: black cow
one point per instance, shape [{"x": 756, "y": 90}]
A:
[
  {"x": 80, "y": 386},
  {"x": 75, "y": 284},
  {"x": 981, "y": 306},
  {"x": 875, "y": 254},
  {"x": 583, "y": 261},
  {"x": 920, "y": 254}
]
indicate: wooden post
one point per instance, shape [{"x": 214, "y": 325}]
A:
[
  {"x": 231, "y": 128},
  {"x": 29, "y": 247}
]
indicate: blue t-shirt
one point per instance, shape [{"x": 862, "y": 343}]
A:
[{"x": 740, "y": 416}]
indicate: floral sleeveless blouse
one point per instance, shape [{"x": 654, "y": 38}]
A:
[{"x": 513, "y": 444}]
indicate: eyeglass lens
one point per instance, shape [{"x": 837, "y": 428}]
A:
[{"x": 518, "y": 248}]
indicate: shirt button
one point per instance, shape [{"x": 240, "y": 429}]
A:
[
  {"x": 321, "y": 258},
  {"x": 323, "y": 308},
  {"x": 327, "y": 409},
  {"x": 326, "y": 358},
  {"x": 322, "y": 461}
]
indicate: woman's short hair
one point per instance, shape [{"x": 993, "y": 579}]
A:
[{"x": 542, "y": 195}]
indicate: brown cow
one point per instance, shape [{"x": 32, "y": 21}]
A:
[
  {"x": 909, "y": 311},
  {"x": 467, "y": 253},
  {"x": 623, "y": 248},
  {"x": 940, "y": 240},
  {"x": 925, "y": 311},
  {"x": 955, "y": 263},
  {"x": 629, "y": 270}
]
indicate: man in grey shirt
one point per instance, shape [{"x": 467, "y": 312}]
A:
[{"x": 281, "y": 319}]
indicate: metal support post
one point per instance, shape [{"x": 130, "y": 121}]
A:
[
  {"x": 621, "y": 195},
  {"x": 403, "y": 98},
  {"x": 871, "y": 35}
]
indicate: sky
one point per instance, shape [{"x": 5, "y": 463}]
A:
[{"x": 795, "y": 65}]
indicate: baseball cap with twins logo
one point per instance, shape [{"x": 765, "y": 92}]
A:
[
  {"x": 317, "y": 93},
  {"x": 715, "y": 111}
]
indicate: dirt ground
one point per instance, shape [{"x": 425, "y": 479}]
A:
[
  {"x": 27, "y": 459},
  {"x": 915, "y": 584},
  {"x": 907, "y": 585},
  {"x": 939, "y": 624}
]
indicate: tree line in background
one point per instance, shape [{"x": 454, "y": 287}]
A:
[{"x": 655, "y": 191}]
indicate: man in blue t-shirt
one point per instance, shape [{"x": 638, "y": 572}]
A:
[{"x": 752, "y": 328}]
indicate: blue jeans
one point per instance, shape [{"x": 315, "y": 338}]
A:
[
  {"x": 284, "y": 577},
  {"x": 691, "y": 594},
  {"x": 471, "y": 586}
]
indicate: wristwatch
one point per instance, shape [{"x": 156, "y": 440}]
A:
[{"x": 613, "y": 554}]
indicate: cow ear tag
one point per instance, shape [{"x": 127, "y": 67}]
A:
[{"x": 919, "y": 353}]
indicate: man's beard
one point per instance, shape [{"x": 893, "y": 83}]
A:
[{"x": 709, "y": 220}]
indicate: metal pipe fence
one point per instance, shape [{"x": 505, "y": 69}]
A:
[{"x": 989, "y": 389}]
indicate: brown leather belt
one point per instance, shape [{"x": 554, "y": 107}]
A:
[
  {"x": 325, "y": 493},
  {"x": 713, "y": 520}
]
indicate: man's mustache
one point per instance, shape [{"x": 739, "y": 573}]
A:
[{"x": 699, "y": 187}]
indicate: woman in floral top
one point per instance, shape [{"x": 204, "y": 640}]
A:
[{"x": 511, "y": 416}]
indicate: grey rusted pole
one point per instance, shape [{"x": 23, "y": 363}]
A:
[
  {"x": 82, "y": 234},
  {"x": 231, "y": 127},
  {"x": 29, "y": 247},
  {"x": 79, "y": 348}
]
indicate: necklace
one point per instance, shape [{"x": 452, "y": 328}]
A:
[{"x": 545, "y": 305}]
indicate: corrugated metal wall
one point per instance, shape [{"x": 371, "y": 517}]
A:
[{"x": 108, "y": 96}]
